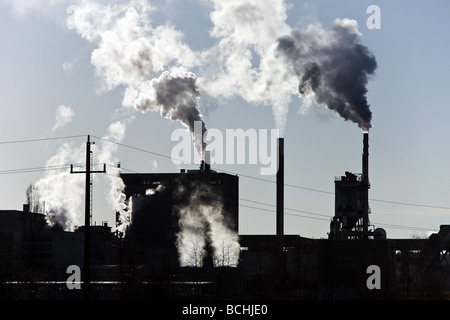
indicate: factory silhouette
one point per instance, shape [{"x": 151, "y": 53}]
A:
[{"x": 183, "y": 243}]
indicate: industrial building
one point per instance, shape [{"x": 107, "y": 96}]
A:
[
  {"x": 155, "y": 196},
  {"x": 156, "y": 202}
]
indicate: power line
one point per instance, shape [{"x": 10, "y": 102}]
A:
[
  {"x": 411, "y": 204},
  {"x": 332, "y": 193},
  {"x": 394, "y": 226},
  {"x": 41, "y": 139},
  {"x": 290, "y": 209},
  {"x": 35, "y": 169},
  {"x": 121, "y": 168},
  {"x": 135, "y": 148},
  {"x": 391, "y": 226},
  {"x": 292, "y": 214}
]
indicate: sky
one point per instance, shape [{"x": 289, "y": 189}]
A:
[{"x": 73, "y": 68}]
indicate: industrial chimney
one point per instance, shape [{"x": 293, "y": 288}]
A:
[
  {"x": 352, "y": 202},
  {"x": 205, "y": 165},
  {"x": 280, "y": 194},
  {"x": 365, "y": 183}
]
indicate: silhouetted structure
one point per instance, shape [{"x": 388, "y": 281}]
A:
[
  {"x": 155, "y": 201},
  {"x": 34, "y": 257},
  {"x": 351, "y": 217}
]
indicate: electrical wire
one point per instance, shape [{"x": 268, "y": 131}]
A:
[
  {"x": 35, "y": 169},
  {"x": 290, "y": 209},
  {"x": 291, "y": 214},
  {"x": 40, "y": 139},
  {"x": 135, "y": 148},
  {"x": 390, "y": 226}
]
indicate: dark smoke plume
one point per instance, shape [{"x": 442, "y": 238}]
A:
[
  {"x": 178, "y": 97},
  {"x": 175, "y": 95},
  {"x": 334, "y": 66}
]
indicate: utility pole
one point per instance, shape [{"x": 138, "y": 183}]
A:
[{"x": 87, "y": 217}]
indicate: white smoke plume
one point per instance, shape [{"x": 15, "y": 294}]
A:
[
  {"x": 107, "y": 154},
  {"x": 133, "y": 206},
  {"x": 132, "y": 53},
  {"x": 191, "y": 238},
  {"x": 61, "y": 192},
  {"x": 143, "y": 59},
  {"x": 202, "y": 222},
  {"x": 243, "y": 62}
]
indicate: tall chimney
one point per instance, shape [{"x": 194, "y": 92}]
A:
[
  {"x": 366, "y": 183},
  {"x": 280, "y": 194},
  {"x": 205, "y": 164}
]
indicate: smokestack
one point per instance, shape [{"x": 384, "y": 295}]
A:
[
  {"x": 205, "y": 165},
  {"x": 366, "y": 183},
  {"x": 280, "y": 194}
]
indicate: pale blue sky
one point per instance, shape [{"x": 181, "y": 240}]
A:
[{"x": 44, "y": 64}]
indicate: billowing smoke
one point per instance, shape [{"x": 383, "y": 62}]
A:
[
  {"x": 203, "y": 224},
  {"x": 174, "y": 94},
  {"x": 243, "y": 62},
  {"x": 60, "y": 192},
  {"x": 333, "y": 66},
  {"x": 257, "y": 56},
  {"x": 131, "y": 52},
  {"x": 107, "y": 154},
  {"x": 263, "y": 60},
  {"x": 144, "y": 59}
]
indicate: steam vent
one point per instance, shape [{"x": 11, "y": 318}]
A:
[{"x": 169, "y": 208}]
